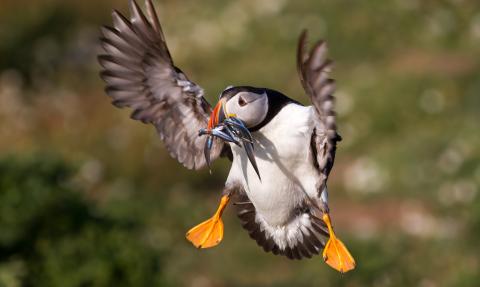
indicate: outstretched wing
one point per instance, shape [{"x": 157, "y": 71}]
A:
[
  {"x": 314, "y": 68},
  {"x": 140, "y": 74}
]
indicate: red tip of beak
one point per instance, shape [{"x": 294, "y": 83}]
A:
[{"x": 213, "y": 120}]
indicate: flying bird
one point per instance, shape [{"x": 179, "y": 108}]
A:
[{"x": 282, "y": 152}]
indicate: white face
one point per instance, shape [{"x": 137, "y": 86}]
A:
[{"x": 251, "y": 108}]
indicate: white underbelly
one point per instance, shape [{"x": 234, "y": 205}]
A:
[{"x": 282, "y": 153}]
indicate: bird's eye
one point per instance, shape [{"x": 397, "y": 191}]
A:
[{"x": 241, "y": 102}]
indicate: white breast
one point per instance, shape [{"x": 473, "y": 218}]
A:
[{"x": 282, "y": 152}]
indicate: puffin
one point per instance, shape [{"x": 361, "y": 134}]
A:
[{"x": 281, "y": 151}]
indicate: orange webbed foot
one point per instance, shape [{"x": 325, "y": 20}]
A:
[
  {"x": 210, "y": 232},
  {"x": 207, "y": 234},
  {"x": 335, "y": 253}
]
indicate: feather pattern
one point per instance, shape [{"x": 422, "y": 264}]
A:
[
  {"x": 308, "y": 236},
  {"x": 140, "y": 74},
  {"x": 314, "y": 68}
]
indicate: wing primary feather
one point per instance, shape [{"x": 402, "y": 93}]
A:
[
  {"x": 314, "y": 68},
  {"x": 139, "y": 74}
]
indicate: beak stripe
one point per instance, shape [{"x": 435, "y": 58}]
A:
[{"x": 213, "y": 121}]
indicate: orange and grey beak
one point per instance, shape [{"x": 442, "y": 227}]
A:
[
  {"x": 217, "y": 115},
  {"x": 216, "y": 126},
  {"x": 230, "y": 129}
]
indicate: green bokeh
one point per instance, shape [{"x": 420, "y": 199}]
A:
[{"x": 89, "y": 197}]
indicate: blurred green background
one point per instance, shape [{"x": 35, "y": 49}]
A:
[{"x": 89, "y": 197}]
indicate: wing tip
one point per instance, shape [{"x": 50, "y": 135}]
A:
[
  {"x": 140, "y": 32},
  {"x": 302, "y": 41},
  {"x": 304, "y": 34},
  {"x": 116, "y": 13},
  {"x": 136, "y": 12}
]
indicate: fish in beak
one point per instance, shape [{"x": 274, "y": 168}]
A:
[{"x": 230, "y": 129}]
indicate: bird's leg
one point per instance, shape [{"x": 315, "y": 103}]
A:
[
  {"x": 210, "y": 232},
  {"x": 335, "y": 253}
]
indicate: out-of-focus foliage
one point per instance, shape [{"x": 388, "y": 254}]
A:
[
  {"x": 51, "y": 235},
  {"x": 404, "y": 190}
]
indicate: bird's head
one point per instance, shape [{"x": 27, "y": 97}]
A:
[
  {"x": 238, "y": 110},
  {"x": 247, "y": 104}
]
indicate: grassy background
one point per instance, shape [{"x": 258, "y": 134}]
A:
[{"x": 89, "y": 197}]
